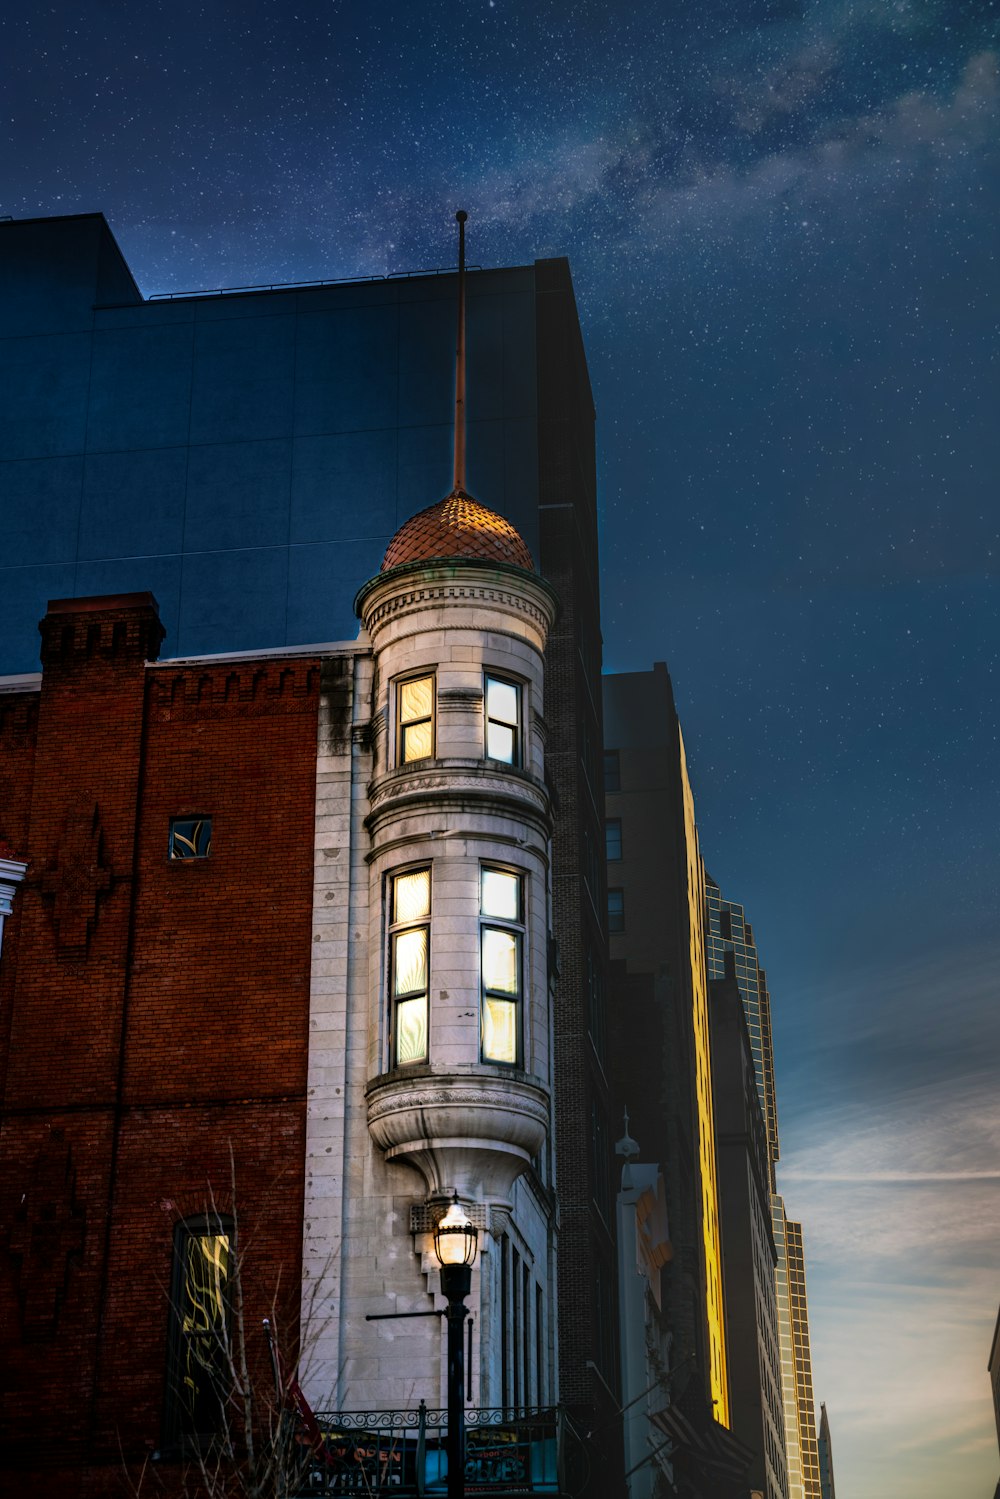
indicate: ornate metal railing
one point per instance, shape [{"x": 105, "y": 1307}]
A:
[{"x": 405, "y": 1452}]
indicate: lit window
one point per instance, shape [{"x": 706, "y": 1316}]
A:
[
  {"x": 616, "y": 910},
  {"x": 199, "y": 1345},
  {"x": 190, "y": 837},
  {"x": 415, "y": 720},
  {"x": 613, "y": 839},
  {"x": 501, "y": 902},
  {"x": 503, "y": 721},
  {"x": 409, "y": 965}
]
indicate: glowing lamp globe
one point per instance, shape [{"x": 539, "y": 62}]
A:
[{"x": 455, "y": 1237}]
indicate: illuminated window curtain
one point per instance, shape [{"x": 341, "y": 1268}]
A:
[
  {"x": 501, "y": 954},
  {"x": 198, "y": 1376},
  {"x": 409, "y": 965},
  {"x": 503, "y": 721},
  {"x": 415, "y": 720}
]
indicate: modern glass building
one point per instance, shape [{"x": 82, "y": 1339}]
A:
[
  {"x": 727, "y": 930},
  {"x": 729, "y": 942},
  {"x": 244, "y": 456}
]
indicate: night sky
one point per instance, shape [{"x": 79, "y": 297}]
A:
[{"x": 781, "y": 219}]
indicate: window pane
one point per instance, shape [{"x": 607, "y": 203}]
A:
[
  {"x": 501, "y": 895},
  {"x": 418, "y": 740},
  {"x": 500, "y": 961},
  {"x": 190, "y": 837},
  {"x": 500, "y": 742},
  {"x": 198, "y": 1378},
  {"x": 613, "y": 838},
  {"x": 409, "y": 968},
  {"x": 411, "y": 1031},
  {"x": 612, "y": 771},
  {"x": 501, "y": 701},
  {"x": 416, "y": 699},
  {"x": 499, "y": 1030},
  {"x": 412, "y": 894},
  {"x": 616, "y": 910}
]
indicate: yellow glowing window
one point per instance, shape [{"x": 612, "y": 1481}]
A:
[
  {"x": 415, "y": 720},
  {"x": 503, "y": 721},
  {"x": 409, "y": 965},
  {"x": 198, "y": 1374},
  {"x": 501, "y": 950}
]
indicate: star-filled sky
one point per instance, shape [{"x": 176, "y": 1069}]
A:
[{"x": 781, "y": 218}]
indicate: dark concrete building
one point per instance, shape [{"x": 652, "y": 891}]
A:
[{"x": 660, "y": 1046}]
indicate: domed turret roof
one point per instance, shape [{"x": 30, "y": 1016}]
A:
[{"x": 457, "y": 528}]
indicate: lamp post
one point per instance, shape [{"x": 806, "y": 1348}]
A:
[{"x": 455, "y": 1240}]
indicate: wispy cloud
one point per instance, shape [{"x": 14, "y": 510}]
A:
[{"x": 896, "y": 1187}]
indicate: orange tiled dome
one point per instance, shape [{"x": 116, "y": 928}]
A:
[{"x": 457, "y": 527}]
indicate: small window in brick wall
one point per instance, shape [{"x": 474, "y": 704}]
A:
[{"x": 190, "y": 837}]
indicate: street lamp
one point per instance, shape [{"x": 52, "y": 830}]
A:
[{"x": 455, "y": 1240}]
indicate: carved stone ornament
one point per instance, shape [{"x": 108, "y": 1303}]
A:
[
  {"x": 77, "y": 880},
  {"x": 475, "y": 1136}
]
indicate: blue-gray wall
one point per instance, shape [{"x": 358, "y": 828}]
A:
[{"x": 246, "y": 458}]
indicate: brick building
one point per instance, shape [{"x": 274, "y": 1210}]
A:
[{"x": 188, "y": 843}]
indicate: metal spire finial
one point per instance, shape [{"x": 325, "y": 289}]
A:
[{"x": 461, "y": 217}]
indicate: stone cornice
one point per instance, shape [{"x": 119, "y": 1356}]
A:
[
  {"x": 404, "y": 591},
  {"x": 469, "y": 787},
  {"x": 385, "y": 1099}
]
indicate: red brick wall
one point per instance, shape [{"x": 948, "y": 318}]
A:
[{"x": 158, "y": 1015}]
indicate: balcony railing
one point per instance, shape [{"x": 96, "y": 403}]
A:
[{"x": 405, "y": 1453}]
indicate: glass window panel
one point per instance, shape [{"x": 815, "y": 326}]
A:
[
  {"x": 499, "y": 1030},
  {"x": 500, "y": 742},
  {"x": 500, "y": 961},
  {"x": 411, "y": 1030},
  {"x": 412, "y": 895},
  {"x": 418, "y": 741},
  {"x": 416, "y": 699},
  {"x": 613, "y": 838},
  {"x": 501, "y": 895},
  {"x": 409, "y": 968},
  {"x": 501, "y": 701},
  {"x": 190, "y": 837}
]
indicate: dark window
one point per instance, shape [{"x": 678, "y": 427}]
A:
[
  {"x": 599, "y": 1159},
  {"x": 190, "y": 837},
  {"x": 504, "y": 1320},
  {"x": 616, "y": 910},
  {"x": 199, "y": 1351},
  {"x": 613, "y": 839},
  {"x": 526, "y": 1331},
  {"x": 539, "y": 1347},
  {"x": 612, "y": 771},
  {"x": 503, "y": 721},
  {"x": 595, "y": 1004}
]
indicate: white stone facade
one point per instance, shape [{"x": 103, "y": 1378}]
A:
[{"x": 386, "y": 1144}]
